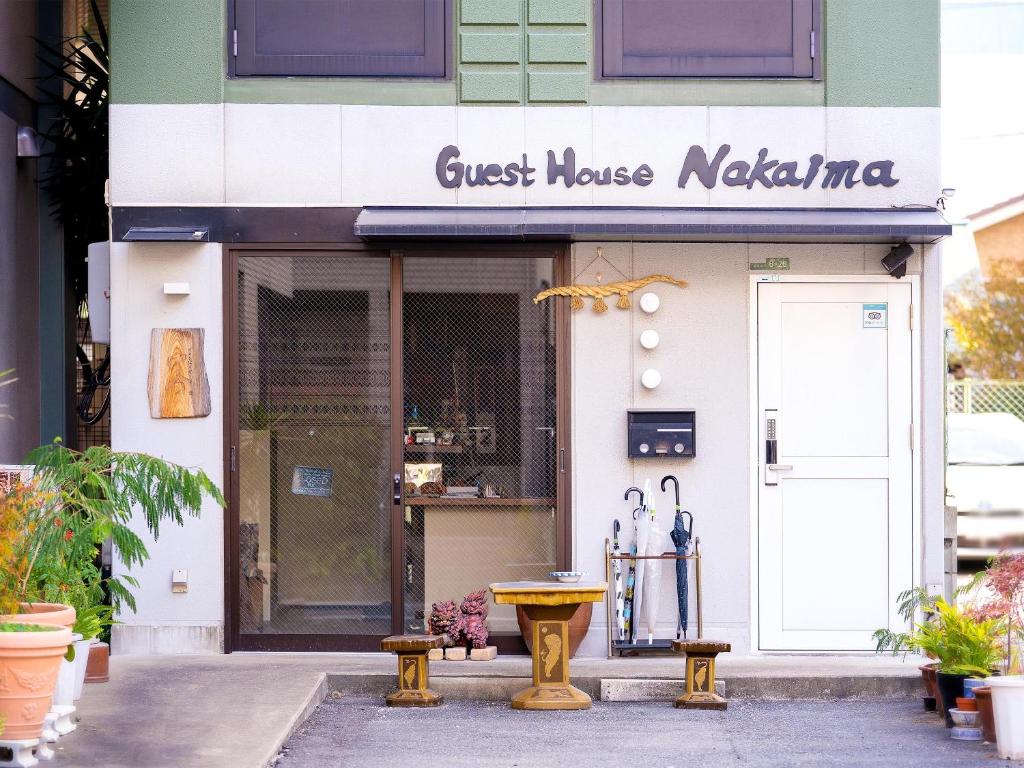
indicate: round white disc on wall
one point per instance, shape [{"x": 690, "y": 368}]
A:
[
  {"x": 650, "y": 378},
  {"x": 649, "y": 339},
  {"x": 650, "y": 302}
]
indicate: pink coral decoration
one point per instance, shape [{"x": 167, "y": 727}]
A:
[
  {"x": 474, "y": 614},
  {"x": 445, "y": 619}
]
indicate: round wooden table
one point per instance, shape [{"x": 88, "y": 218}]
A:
[{"x": 550, "y": 605}]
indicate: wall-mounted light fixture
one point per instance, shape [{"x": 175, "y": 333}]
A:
[
  {"x": 167, "y": 234},
  {"x": 650, "y": 378},
  {"x": 28, "y": 142}
]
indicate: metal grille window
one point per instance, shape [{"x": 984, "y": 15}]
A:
[
  {"x": 397, "y": 440},
  {"x": 313, "y": 452},
  {"x": 480, "y": 429}
]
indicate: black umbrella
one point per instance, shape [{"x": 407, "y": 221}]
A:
[{"x": 681, "y": 538}]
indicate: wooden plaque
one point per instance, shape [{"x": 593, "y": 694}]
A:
[{"x": 178, "y": 386}]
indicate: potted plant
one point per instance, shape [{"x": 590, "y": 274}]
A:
[
  {"x": 26, "y": 515},
  {"x": 963, "y": 645},
  {"x": 30, "y": 655},
  {"x": 98, "y": 492},
  {"x": 907, "y": 604},
  {"x": 76, "y": 501},
  {"x": 1001, "y": 702},
  {"x": 30, "y": 651}
]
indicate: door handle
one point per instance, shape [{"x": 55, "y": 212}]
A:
[
  {"x": 398, "y": 490},
  {"x": 780, "y": 467}
]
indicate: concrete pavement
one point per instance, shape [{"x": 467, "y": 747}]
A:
[
  {"x": 237, "y": 710},
  {"x": 868, "y": 733}
]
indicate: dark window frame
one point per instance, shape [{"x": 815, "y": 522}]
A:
[
  {"x": 601, "y": 73},
  {"x": 444, "y": 59}
]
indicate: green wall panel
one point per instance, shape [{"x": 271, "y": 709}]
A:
[
  {"x": 558, "y": 86},
  {"x": 490, "y": 47},
  {"x": 875, "y": 53},
  {"x": 490, "y": 11},
  {"x": 341, "y": 90},
  {"x": 882, "y": 53},
  {"x": 558, "y": 47},
  {"x": 167, "y": 51},
  {"x": 558, "y": 11},
  {"x": 490, "y": 87}
]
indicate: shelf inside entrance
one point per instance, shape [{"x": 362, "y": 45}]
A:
[{"x": 462, "y": 501}]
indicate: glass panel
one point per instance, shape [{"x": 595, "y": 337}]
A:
[
  {"x": 480, "y": 452},
  {"x": 313, "y": 454}
]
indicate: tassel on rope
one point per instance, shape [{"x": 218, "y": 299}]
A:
[{"x": 598, "y": 292}]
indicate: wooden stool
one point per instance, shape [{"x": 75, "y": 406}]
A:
[
  {"x": 700, "y": 673},
  {"x": 413, "y": 674}
]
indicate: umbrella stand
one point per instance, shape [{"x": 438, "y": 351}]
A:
[{"x": 634, "y": 648}]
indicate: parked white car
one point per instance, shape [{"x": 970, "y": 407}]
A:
[{"x": 985, "y": 482}]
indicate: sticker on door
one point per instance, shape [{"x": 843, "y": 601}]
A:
[{"x": 875, "y": 315}]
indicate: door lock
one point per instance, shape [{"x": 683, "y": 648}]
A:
[{"x": 398, "y": 490}]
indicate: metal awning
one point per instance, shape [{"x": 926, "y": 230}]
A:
[{"x": 810, "y": 225}]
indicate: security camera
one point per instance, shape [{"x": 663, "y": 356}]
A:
[{"x": 895, "y": 261}]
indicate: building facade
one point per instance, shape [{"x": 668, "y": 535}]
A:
[{"x": 344, "y": 214}]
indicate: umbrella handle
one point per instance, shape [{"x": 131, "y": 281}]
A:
[
  {"x": 675, "y": 482},
  {"x": 633, "y": 489},
  {"x": 690, "y": 532}
]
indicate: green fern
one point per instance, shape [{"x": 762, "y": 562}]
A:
[{"x": 98, "y": 493}]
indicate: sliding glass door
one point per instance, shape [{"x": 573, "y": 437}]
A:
[
  {"x": 387, "y": 453},
  {"x": 480, "y": 429}
]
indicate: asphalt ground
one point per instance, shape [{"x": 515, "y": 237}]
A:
[{"x": 862, "y": 732}]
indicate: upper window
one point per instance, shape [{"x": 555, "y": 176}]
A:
[
  {"x": 360, "y": 38},
  {"x": 707, "y": 38}
]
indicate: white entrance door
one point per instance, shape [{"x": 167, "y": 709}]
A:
[{"x": 835, "y": 519}]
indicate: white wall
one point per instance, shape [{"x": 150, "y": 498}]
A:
[
  {"x": 168, "y": 622},
  {"x": 281, "y": 154},
  {"x": 703, "y": 357}
]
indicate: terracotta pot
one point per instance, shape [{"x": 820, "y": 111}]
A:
[
  {"x": 928, "y": 676},
  {"x": 983, "y": 696},
  {"x": 966, "y": 704},
  {"x": 578, "y": 626},
  {"x": 29, "y": 664},
  {"x": 43, "y": 613},
  {"x": 98, "y": 668}
]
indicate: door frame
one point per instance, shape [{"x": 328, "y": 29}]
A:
[
  {"x": 395, "y": 253},
  {"x": 754, "y": 447}
]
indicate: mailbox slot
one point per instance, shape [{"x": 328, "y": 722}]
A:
[{"x": 661, "y": 434}]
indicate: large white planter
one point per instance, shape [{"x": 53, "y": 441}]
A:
[
  {"x": 81, "y": 662},
  {"x": 1008, "y": 709},
  {"x": 64, "y": 695}
]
